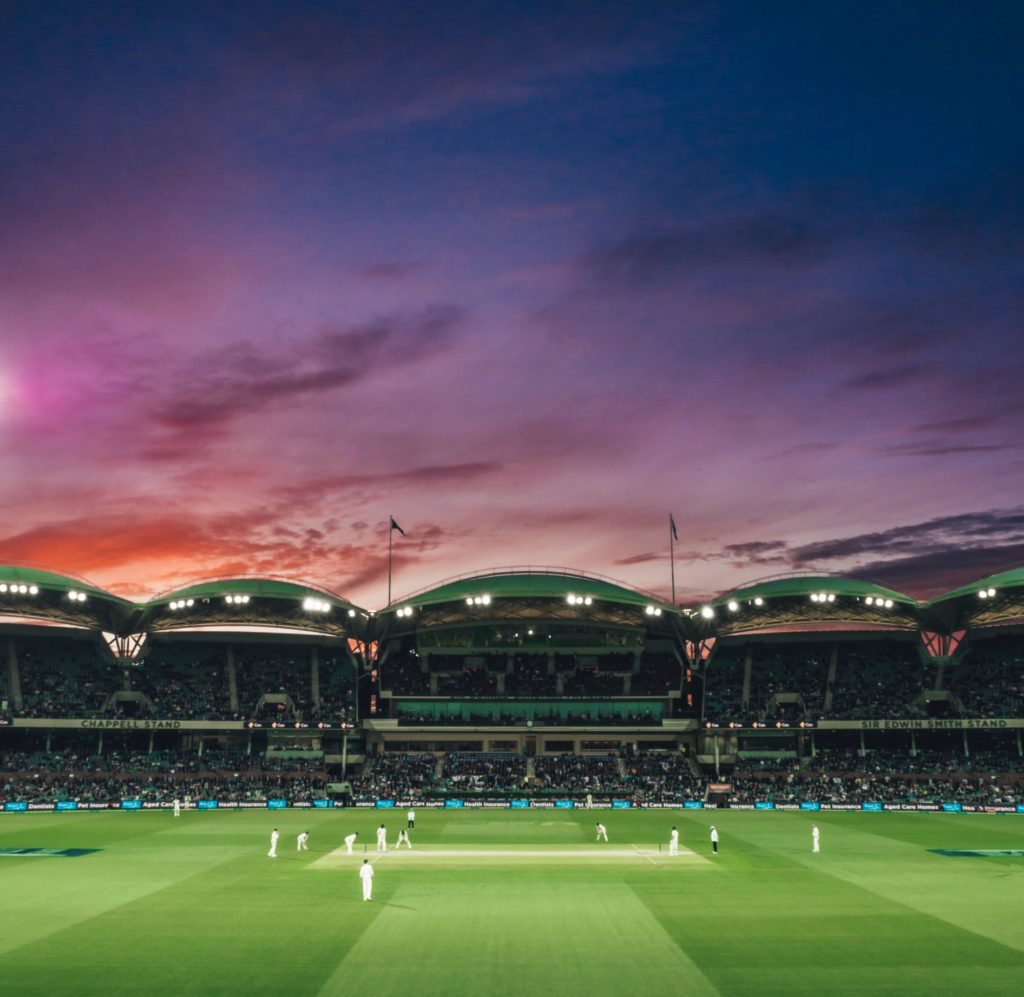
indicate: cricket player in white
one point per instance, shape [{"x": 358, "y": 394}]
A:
[
  {"x": 366, "y": 875},
  {"x": 673, "y": 841},
  {"x": 274, "y": 835},
  {"x": 403, "y": 839},
  {"x": 177, "y": 807},
  {"x": 350, "y": 840},
  {"x": 714, "y": 839},
  {"x": 815, "y": 838},
  {"x": 302, "y": 842},
  {"x": 602, "y": 832},
  {"x": 382, "y": 839},
  {"x": 411, "y": 819}
]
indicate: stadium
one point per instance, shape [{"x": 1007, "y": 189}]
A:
[{"x": 512, "y": 710}]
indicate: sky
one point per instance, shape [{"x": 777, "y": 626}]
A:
[{"x": 527, "y": 277}]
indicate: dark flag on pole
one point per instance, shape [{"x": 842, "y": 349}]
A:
[
  {"x": 671, "y": 523},
  {"x": 395, "y": 526}
]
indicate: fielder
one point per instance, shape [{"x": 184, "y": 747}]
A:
[
  {"x": 366, "y": 875},
  {"x": 274, "y": 835},
  {"x": 403, "y": 839},
  {"x": 602, "y": 832},
  {"x": 815, "y": 838},
  {"x": 302, "y": 842},
  {"x": 177, "y": 807},
  {"x": 673, "y": 841},
  {"x": 350, "y": 840},
  {"x": 382, "y": 839}
]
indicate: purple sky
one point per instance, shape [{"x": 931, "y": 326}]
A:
[{"x": 527, "y": 277}]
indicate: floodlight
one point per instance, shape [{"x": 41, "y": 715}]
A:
[
  {"x": 991, "y": 593},
  {"x": 733, "y": 605},
  {"x": 649, "y": 610},
  {"x": 587, "y": 600},
  {"x": 571, "y": 599},
  {"x": 707, "y": 612},
  {"x": 982, "y": 594},
  {"x": 888, "y": 603},
  {"x": 831, "y": 597},
  {"x": 3, "y": 586},
  {"x": 351, "y": 612},
  {"x": 814, "y": 597},
  {"x": 485, "y": 599},
  {"x": 190, "y": 602},
  {"x": 33, "y": 590},
  {"x": 870, "y": 600},
  {"x": 758, "y": 601},
  {"x": 23, "y": 589},
  {"x": 469, "y": 602}
]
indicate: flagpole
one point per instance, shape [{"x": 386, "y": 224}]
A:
[
  {"x": 672, "y": 554},
  {"x": 391, "y": 530}
]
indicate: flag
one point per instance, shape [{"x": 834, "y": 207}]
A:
[
  {"x": 671, "y": 523},
  {"x": 395, "y": 526}
]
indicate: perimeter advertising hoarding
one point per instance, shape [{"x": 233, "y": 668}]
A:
[{"x": 21, "y": 806}]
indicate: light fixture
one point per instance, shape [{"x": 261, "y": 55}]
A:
[
  {"x": 707, "y": 612},
  {"x": 733, "y": 605},
  {"x": 758, "y": 601}
]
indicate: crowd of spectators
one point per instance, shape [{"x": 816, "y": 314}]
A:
[
  {"x": 800, "y": 671},
  {"x": 989, "y": 678},
  {"x": 392, "y": 775},
  {"x": 663, "y": 776},
  {"x": 878, "y": 682},
  {"x": 410, "y": 717},
  {"x": 41, "y": 787},
  {"x": 403, "y": 675},
  {"x": 580, "y": 773},
  {"x": 177, "y": 683},
  {"x": 530, "y": 676},
  {"x": 660, "y": 673},
  {"x": 482, "y": 770},
  {"x": 723, "y": 686},
  {"x": 65, "y": 680}
]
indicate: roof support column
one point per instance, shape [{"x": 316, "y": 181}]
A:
[
  {"x": 314, "y": 675},
  {"x": 748, "y": 667},
  {"x": 232, "y": 680},
  {"x": 13, "y": 674},
  {"x": 830, "y": 682}
]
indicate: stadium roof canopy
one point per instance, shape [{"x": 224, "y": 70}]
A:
[
  {"x": 532, "y": 583},
  {"x": 995, "y": 601},
  {"x": 35, "y": 596},
  {"x": 810, "y": 602},
  {"x": 487, "y": 602},
  {"x": 800, "y": 585},
  {"x": 252, "y": 604},
  {"x": 1011, "y": 579}
]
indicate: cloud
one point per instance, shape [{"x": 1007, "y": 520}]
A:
[
  {"x": 770, "y": 239},
  {"x": 932, "y": 574},
  {"x": 889, "y": 377},
  {"x": 939, "y": 449},
  {"x": 943, "y": 535},
  {"x": 242, "y": 378}
]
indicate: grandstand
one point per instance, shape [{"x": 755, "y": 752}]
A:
[{"x": 534, "y": 684}]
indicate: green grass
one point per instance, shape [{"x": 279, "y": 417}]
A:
[{"x": 194, "y": 905}]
